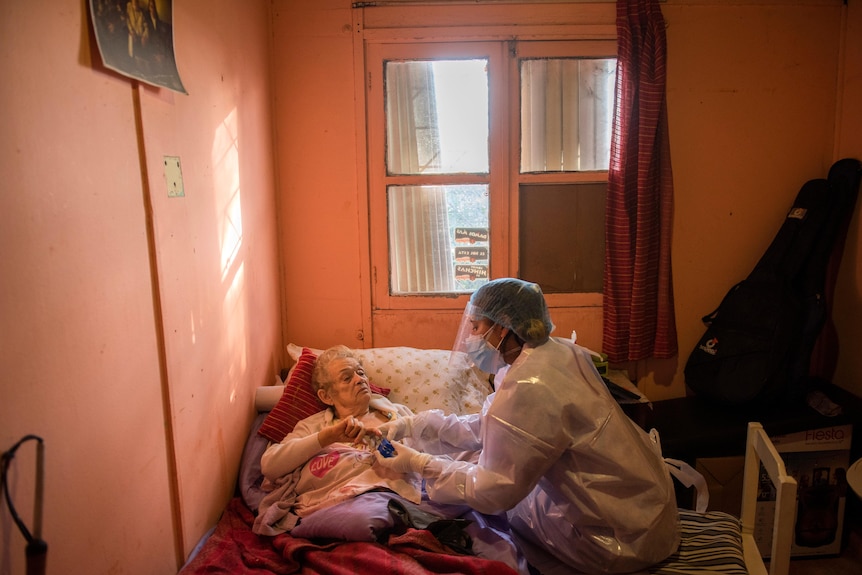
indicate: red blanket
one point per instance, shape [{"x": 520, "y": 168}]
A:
[{"x": 234, "y": 549}]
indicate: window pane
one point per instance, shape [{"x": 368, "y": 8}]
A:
[
  {"x": 562, "y": 229},
  {"x": 438, "y": 238},
  {"x": 566, "y": 114},
  {"x": 436, "y": 116}
]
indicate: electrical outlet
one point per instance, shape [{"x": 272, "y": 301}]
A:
[{"x": 174, "y": 177}]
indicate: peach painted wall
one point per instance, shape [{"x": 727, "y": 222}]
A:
[
  {"x": 752, "y": 94},
  {"x": 316, "y": 145},
  {"x": 216, "y": 247},
  {"x": 133, "y": 348},
  {"x": 752, "y": 100}
]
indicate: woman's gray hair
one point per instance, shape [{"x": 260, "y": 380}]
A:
[{"x": 320, "y": 373}]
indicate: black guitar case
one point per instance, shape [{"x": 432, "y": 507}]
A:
[{"x": 758, "y": 342}]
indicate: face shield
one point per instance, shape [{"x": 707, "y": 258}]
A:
[
  {"x": 511, "y": 303},
  {"x": 469, "y": 327},
  {"x": 471, "y": 342}
]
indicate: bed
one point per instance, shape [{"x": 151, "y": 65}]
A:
[{"x": 370, "y": 538}]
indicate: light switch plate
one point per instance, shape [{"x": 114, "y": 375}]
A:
[{"x": 174, "y": 177}]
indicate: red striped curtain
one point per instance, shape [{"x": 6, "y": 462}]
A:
[{"x": 639, "y": 318}]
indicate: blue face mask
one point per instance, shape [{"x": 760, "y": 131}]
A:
[{"x": 484, "y": 355}]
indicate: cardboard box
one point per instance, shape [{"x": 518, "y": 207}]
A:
[
  {"x": 818, "y": 459},
  {"x": 724, "y": 479}
]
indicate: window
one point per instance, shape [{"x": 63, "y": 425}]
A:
[
  {"x": 436, "y": 125},
  {"x": 487, "y": 159}
]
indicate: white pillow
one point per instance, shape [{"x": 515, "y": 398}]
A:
[{"x": 422, "y": 379}]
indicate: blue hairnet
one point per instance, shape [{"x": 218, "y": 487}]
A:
[{"x": 517, "y": 305}]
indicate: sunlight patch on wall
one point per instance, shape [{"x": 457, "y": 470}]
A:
[
  {"x": 236, "y": 329},
  {"x": 228, "y": 206},
  {"x": 225, "y": 159},
  {"x": 231, "y": 235}
]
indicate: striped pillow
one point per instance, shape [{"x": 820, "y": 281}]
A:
[
  {"x": 296, "y": 403},
  {"x": 710, "y": 542}
]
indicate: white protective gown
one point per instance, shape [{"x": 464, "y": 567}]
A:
[{"x": 575, "y": 474}]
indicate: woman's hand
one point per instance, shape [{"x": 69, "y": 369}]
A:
[
  {"x": 397, "y": 429},
  {"x": 405, "y": 460},
  {"x": 348, "y": 430}
]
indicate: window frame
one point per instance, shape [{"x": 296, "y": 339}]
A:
[
  {"x": 379, "y": 180},
  {"x": 505, "y": 46},
  {"x": 580, "y": 48}
]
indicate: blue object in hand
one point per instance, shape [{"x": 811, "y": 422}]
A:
[{"x": 385, "y": 448}]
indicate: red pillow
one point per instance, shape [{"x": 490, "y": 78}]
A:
[
  {"x": 384, "y": 391},
  {"x": 296, "y": 403},
  {"x": 298, "y": 400}
]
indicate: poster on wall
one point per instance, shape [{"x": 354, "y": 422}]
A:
[{"x": 136, "y": 39}]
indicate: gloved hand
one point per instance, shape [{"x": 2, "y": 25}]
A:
[
  {"x": 405, "y": 460},
  {"x": 397, "y": 428}
]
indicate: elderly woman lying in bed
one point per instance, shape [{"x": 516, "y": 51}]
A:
[
  {"x": 325, "y": 482},
  {"x": 324, "y": 460}
]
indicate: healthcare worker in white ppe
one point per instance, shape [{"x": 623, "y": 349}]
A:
[{"x": 580, "y": 482}]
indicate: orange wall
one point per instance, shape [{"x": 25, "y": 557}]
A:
[
  {"x": 753, "y": 96},
  {"x": 316, "y": 143},
  {"x": 133, "y": 348},
  {"x": 752, "y": 103}
]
